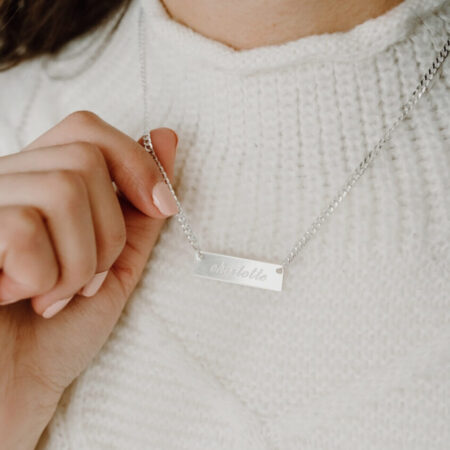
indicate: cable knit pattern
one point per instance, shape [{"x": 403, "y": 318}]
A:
[{"x": 354, "y": 353}]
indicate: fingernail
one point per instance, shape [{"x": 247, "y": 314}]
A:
[
  {"x": 163, "y": 199},
  {"x": 56, "y": 307},
  {"x": 94, "y": 284}
]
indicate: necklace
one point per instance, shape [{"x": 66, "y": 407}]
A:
[{"x": 262, "y": 274}]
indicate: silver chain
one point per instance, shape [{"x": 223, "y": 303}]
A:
[{"x": 422, "y": 87}]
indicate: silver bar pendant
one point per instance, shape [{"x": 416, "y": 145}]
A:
[{"x": 232, "y": 269}]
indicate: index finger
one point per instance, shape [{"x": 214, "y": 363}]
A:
[{"x": 134, "y": 171}]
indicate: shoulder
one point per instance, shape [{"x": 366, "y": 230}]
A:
[
  {"x": 17, "y": 86},
  {"x": 96, "y": 72}
]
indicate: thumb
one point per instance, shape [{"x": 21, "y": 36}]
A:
[
  {"x": 165, "y": 142},
  {"x": 134, "y": 172},
  {"x": 163, "y": 138},
  {"x": 142, "y": 230}
]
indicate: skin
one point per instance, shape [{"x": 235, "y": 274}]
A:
[
  {"x": 67, "y": 173},
  {"x": 61, "y": 221},
  {"x": 245, "y": 24}
]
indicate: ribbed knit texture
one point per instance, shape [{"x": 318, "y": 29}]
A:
[{"x": 354, "y": 353}]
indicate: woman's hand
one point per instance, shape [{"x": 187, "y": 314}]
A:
[{"x": 75, "y": 248}]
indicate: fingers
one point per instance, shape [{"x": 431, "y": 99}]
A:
[
  {"x": 69, "y": 222},
  {"x": 27, "y": 257},
  {"x": 142, "y": 233},
  {"x": 132, "y": 169},
  {"x": 86, "y": 160},
  {"x": 64, "y": 196}
]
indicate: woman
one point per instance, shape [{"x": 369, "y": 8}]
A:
[{"x": 109, "y": 340}]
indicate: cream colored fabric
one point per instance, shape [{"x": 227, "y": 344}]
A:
[{"x": 354, "y": 353}]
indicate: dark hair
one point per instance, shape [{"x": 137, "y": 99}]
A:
[{"x": 30, "y": 28}]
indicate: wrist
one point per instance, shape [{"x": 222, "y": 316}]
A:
[{"x": 25, "y": 410}]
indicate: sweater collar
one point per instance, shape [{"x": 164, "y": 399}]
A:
[{"x": 364, "y": 40}]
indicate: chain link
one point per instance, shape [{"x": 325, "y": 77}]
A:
[{"x": 422, "y": 87}]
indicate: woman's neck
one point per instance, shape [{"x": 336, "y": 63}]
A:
[{"x": 245, "y": 24}]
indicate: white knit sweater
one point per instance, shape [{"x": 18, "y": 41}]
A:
[{"x": 354, "y": 353}]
